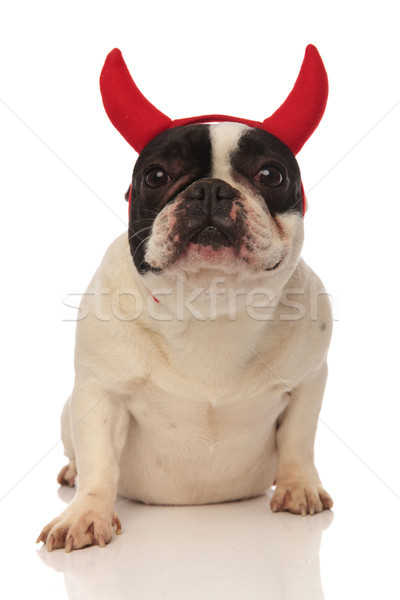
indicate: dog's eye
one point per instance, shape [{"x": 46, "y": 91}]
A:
[
  {"x": 156, "y": 177},
  {"x": 269, "y": 175}
]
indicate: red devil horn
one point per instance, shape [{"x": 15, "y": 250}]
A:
[
  {"x": 299, "y": 115},
  {"x": 137, "y": 120}
]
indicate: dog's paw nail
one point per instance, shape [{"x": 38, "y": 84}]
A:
[
  {"x": 40, "y": 538},
  {"x": 303, "y": 510},
  {"x": 50, "y": 543},
  {"x": 69, "y": 544},
  {"x": 327, "y": 501},
  {"x": 274, "y": 506},
  {"x": 102, "y": 541},
  {"x": 117, "y": 522}
]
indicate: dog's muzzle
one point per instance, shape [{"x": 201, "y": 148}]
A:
[{"x": 208, "y": 207}]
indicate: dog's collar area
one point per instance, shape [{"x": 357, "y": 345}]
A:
[{"x": 153, "y": 296}]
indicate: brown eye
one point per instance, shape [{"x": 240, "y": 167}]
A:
[
  {"x": 270, "y": 175},
  {"x": 156, "y": 177}
]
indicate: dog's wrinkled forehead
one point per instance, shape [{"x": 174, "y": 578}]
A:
[{"x": 226, "y": 150}]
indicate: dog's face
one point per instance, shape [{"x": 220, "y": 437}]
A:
[{"x": 223, "y": 196}]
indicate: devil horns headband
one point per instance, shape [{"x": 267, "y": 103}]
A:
[{"x": 138, "y": 121}]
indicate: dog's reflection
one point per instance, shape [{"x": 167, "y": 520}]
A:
[{"x": 232, "y": 550}]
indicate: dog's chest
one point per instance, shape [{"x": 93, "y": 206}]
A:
[
  {"x": 210, "y": 390},
  {"x": 193, "y": 443}
]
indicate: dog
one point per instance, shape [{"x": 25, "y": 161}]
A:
[{"x": 201, "y": 348}]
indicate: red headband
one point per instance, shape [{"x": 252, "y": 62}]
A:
[{"x": 139, "y": 121}]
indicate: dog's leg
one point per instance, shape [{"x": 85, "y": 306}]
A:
[
  {"x": 298, "y": 487},
  {"x": 99, "y": 425},
  {"x": 67, "y": 475}
]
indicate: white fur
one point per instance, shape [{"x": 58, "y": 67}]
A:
[
  {"x": 224, "y": 138},
  {"x": 178, "y": 401}
]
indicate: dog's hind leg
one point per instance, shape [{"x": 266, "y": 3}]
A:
[{"x": 67, "y": 475}]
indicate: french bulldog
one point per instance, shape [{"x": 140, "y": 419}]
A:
[{"x": 202, "y": 340}]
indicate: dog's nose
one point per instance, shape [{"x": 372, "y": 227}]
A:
[{"x": 211, "y": 190}]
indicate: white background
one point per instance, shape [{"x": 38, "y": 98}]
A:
[{"x": 64, "y": 170}]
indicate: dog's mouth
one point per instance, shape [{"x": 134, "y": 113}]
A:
[
  {"x": 275, "y": 266},
  {"x": 211, "y": 236},
  {"x": 214, "y": 246},
  {"x": 221, "y": 242}
]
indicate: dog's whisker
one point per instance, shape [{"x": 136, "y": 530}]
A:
[
  {"x": 139, "y": 222},
  {"x": 300, "y": 275},
  {"x": 285, "y": 260},
  {"x": 150, "y": 210},
  {"x": 141, "y": 264},
  {"x": 142, "y": 220},
  {"x": 139, "y": 232},
  {"x": 137, "y": 248}
]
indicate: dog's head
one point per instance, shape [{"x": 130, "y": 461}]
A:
[
  {"x": 223, "y": 196},
  {"x": 227, "y": 195}
]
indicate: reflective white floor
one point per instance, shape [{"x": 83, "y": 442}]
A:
[
  {"x": 238, "y": 550},
  {"x": 235, "y": 550}
]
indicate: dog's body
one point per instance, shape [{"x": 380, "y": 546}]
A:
[{"x": 201, "y": 350}]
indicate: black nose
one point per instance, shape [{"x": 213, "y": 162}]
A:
[{"x": 210, "y": 191}]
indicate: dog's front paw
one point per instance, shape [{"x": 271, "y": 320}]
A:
[
  {"x": 67, "y": 475},
  {"x": 300, "y": 497},
  {"x": 81, "y": 524}
]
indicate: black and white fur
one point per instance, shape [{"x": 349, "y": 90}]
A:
[{"x": 202, "y": 379}]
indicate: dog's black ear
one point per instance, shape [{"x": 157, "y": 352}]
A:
[{"x": 127, "y": 193}]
